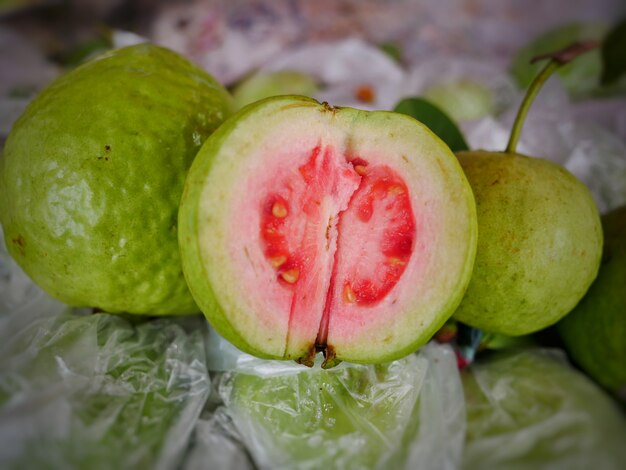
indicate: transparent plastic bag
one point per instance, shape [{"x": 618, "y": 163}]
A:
[
  {"x": 465, "y": 88},
  {"x": 97, "y": 392},
  {"x": 105, "y": 391},
  {"x": 532, "y": 410},
  {"x": 405, "y": 414},
  {"x": 216, "y": 444},
  {"x": 345, "y": 67},
  {"x": 93, "y": 391}
]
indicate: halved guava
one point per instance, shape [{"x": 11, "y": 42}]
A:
[{"x": 308, "y": 228}]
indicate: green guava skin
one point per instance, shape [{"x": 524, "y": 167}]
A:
[
  {"x": 463, "y": 100},
  {"x": 265, "y": 85},
  {"x": 539, "y": 243},
  {"x": 92, "y": 175},
  {"x": 594, "y": 333}
]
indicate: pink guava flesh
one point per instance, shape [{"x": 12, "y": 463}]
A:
[{"x": 338, "y": 231}]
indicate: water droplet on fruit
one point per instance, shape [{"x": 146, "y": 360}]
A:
[{"x": 197, "y": 139}]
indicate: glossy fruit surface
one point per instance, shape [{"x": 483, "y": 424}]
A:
[{"x": 92, "y": 175}]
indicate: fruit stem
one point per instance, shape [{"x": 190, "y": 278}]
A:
[
  {"x": 533, "y": 90},
  {"x": 557, "y": 59}
]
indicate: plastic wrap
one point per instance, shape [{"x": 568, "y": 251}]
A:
[
  {"x": 404, "y": 414},
  {"x": 468, "y": 88},
  {"x": 594, "y": 155},
  {"x": 93, "y": 391},
  {"x": 96, "y": 392},
  {"x": 531, "y": 410},
  {"x": 216, "y": 444},
  {"x": 345, "y": 67},
  {"x": 102, "y": 391}
]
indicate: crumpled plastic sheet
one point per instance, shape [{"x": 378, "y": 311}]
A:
[
  {"x": 517, "y": 409},
  {"x": 93, "y": 391},
  {"x": 447, "y": 70},
  {"x": 344, "y": 66},
  {"x": 216, "y": 444},
  {"x": 397, "y": 415},
  {"x": 531, "y": 410}
]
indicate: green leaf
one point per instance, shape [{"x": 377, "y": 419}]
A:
[
  {"x": 614, "y": 54},
  {"x": 438, "y": 121}
]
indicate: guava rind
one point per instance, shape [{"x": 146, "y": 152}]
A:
[
  {"x": 206, "y": 208},
  {"x": 189, "y": 225},
  {"x": 92, "y": 174},
  {"x": 594, "y": 333},
  {"x": 539, "y": 243}
]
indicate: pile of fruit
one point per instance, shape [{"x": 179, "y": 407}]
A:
[{"x": 320, "y": 234}]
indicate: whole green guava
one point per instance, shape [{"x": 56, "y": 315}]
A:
[
  {"x": 595, "y": 331},
  {"x": 92, "y": 175},
  {"x": 539, "y": 243}
]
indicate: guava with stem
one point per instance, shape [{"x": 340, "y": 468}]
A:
[{"x": 540, "y": 236}]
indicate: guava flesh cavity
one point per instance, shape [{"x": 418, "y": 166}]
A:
[
  {"x": 306, "y": 228},
  {"x": 365, "y": 215}
]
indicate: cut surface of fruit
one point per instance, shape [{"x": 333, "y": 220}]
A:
[{"x": 308, "y": 228}]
